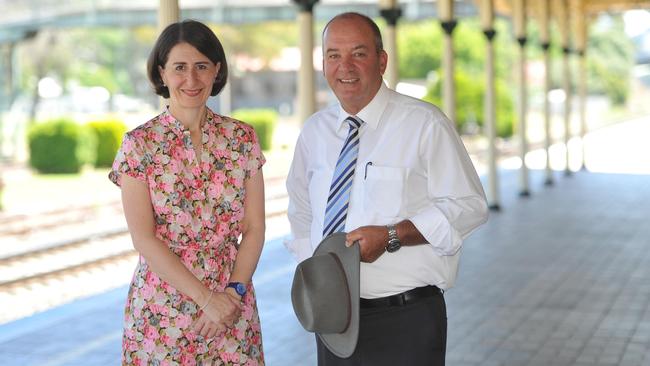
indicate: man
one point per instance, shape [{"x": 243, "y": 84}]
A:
[{"x": 391, "y": 171}]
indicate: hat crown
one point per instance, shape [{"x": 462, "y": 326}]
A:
[
  {"x": 320, "y": 283},
  {"x": 325, "y": 294}
]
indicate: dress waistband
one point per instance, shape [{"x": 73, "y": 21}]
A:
[{"x": 200, "y": 247}]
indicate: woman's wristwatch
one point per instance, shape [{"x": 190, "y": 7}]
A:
[{"x": 239, "y": 288}]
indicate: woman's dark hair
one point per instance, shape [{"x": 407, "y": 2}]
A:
[{"x": 200, "y": 37}]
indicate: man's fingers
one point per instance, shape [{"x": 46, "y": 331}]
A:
[{"x": 352, "y": 236}]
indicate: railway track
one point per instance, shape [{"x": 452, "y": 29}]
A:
[
  {"x": 43, "y": 263},
  {"x": 25, "y": 224}
]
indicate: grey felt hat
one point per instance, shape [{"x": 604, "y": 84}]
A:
[{"x": 325, "y": 294}]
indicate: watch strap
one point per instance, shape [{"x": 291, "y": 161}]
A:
[
  {"x": 393, "y": 240},
  {"x": 239, "y": 288}
]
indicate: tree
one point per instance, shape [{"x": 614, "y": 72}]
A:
[
  {"x": 420, "y": 51},
  {"x": 610, "y": 57},
  {"x": 41, "y": 57}
]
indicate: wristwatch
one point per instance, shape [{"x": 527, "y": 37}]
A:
[
  {"x": 393, "y": 241},
  {"x": 239, "y": 287}
]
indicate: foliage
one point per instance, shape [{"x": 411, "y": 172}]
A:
[
  {"x": 60, "y": 146},
  {"x": 261, "y": 40},
  {"x": 610, "y": 57},
  {"x": 108, "y": 135},
  {"x": 420, "y": 48},
  {"x": 420, "y": 52},
  {"x": 470, "y": 94},
  {"x": 263, "y": 120},
  {"x": 112, "y": 58}
]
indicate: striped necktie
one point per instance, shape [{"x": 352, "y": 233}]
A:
[{"x": 337, "y": 201}]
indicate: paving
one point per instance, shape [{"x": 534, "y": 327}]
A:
[{"x": 559, "y": 278}]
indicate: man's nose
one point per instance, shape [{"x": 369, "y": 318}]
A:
[{"x": 346, "y": 63}]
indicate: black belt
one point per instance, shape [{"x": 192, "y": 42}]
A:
[{"x": 405, "y": 298}]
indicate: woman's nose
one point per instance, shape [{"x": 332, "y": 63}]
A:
[{"x": 192, "y": 75}]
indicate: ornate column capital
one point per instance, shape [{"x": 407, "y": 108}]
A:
[
  {"x": 522, "y": 41},
  {"x": 391, "y": 15},
  {"x": 448, "y": 26},
  {"x": 306, "y": 5},
  {"x": 489, "y": 34}
]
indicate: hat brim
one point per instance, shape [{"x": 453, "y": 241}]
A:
[{"x": 343, "y": 344}]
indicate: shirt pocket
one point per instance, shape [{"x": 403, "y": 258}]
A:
[{"x": 384, "y": 190}]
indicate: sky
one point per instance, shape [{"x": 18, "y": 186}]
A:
[{"x": 636, "y": 22}]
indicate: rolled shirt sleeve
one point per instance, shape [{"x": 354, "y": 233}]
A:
[{"x": 457, "y": 200}]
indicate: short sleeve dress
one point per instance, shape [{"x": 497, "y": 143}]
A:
[{"x": 198, "y": 210}]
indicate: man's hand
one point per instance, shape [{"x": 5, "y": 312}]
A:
[{"x": 372, "y": 241}]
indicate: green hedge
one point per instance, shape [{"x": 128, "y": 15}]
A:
[
  {"x": 109, "y": 136},
  {"x": 60, "y": 146},
  {"x": 263, "y": 120}
]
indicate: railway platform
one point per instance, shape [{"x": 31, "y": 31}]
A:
[{"x": 559, "y": 278}]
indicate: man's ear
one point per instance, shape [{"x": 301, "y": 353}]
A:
[{"x": 383, "y": 61}]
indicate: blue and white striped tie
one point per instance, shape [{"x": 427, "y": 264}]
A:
[{"x": 337, "y": 201}]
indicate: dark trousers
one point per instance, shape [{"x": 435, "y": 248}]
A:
[{"x": 409, "y": 335}]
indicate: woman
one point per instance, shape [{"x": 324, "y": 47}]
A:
[{"x": 191, "y": 184}]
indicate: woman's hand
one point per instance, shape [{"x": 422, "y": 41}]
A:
[
  {"x": 220, "y": 313},
  {"x": 207, "y": 328}
]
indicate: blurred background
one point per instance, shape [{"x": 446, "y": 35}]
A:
[{"x": 73, "y": 80}]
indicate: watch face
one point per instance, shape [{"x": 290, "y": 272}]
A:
[
  {"x": 239, "y": 287},
  {"x": 393, "y": 246}
]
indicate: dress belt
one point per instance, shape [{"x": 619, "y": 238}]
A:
[{"x": 401, "y": 299}]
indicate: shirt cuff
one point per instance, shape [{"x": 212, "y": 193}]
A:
[
  {"x": 299, "y": 248},
  {"x": 437, "y": 230}
]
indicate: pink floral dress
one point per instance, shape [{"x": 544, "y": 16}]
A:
[{"x": 198, "y": 210}]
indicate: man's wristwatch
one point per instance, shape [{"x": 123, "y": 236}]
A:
[
  {"x": 239, "y": 287},
  {"x": 393, "y": 241}
]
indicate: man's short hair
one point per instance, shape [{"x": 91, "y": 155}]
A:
[{"x": 379, "y": 43}]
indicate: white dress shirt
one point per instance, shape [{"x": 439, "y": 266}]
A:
[{"x": 411, "y": 165}]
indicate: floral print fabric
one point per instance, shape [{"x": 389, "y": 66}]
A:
[{"x": 198, "y": 209}]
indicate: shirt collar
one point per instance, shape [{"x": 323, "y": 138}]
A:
[
  {"x": 371, "y": 113},
  {"x": 175, "y": 125}
]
